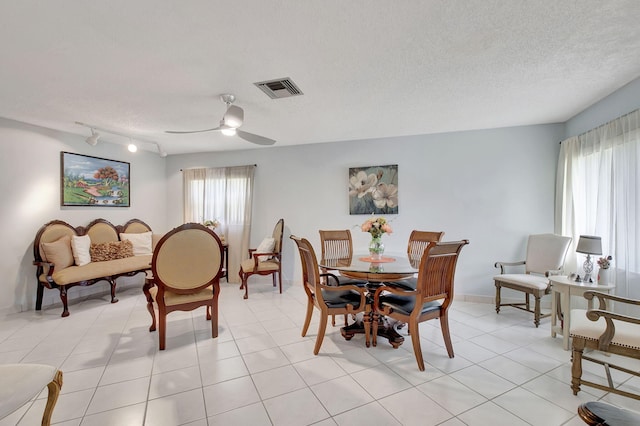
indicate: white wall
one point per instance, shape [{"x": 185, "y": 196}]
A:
[
  {"x": 493, "y": 187},
  {"x": 30, "y": 185}
]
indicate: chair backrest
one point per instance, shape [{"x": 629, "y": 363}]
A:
[
  {"x": 437, "y": 270},
  {"x": 310, "y": 272},
  {"x": 278, "y": 230},
  {"x": 546, "y": 252},
  {"x": 187, "y": 259},
  {"x": 336, "y": 244},
  {"x": 419, "y": 240}
]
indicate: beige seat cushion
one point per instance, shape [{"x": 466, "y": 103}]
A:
[
  {"x": 626, "y": 334},
  {"x": 171, "y": 298},
  {"x": 268, "y": 265},
  {"x": 19, "y": 383},
  {"x": 74, "y": 274},
  {"x": 524, "y": 280}
]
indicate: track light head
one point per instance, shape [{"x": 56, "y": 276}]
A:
[{"x": 93, "y": 139}]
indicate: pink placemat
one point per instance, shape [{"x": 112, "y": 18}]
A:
[{"x": 381, "y": 260}]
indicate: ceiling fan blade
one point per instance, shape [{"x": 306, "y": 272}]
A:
[
  {"x": 260, "y": 140},
  {"x": 177, "y": 132}
]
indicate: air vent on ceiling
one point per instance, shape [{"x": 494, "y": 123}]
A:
[{"x": 279, "y": 88}]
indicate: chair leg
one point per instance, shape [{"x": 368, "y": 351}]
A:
[
  {"x": 54, "y": 391},
  {"x": 307, "y": 319},
  {"x": 162, "y": 336},
  {"x": 280, "y": 280},
  {"x": 417, "y": 350},
  {"x": 444, "y": 325},
  {"x": 321, "y": 330},
  {"x": 245, "y": 285},
  {"x": 498, "y": 300},
  {"x": 333, "y": 320},
  {"x": 346, "y": 320},
  {"x": 576, "y": 364},
  {"x": 536, "y": 312},
  {"x": 273, "y": 278},
  {"x": 214, "y": 319}
]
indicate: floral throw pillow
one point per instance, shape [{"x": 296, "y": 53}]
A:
[{"x": 112, "y": 250}]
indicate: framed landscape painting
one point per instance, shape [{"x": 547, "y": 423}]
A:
[
  {"x": 93, "y": 181},
  {"x": 373, "y": 190}
]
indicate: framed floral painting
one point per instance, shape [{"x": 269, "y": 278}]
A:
[
  {"x": 93, "y": 181},
  {"x": 373, "y": 190}
]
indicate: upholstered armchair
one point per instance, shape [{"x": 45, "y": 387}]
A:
[
  {"x": 335, "y": 299},
  {"x": 186, "y": 267},
  {"x": 266, "y": 259},
  {"x": 545, "y": 257},
  {"x": 604, "y": 332}
]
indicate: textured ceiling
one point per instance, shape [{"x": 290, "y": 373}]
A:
[{"x": 368, "y": 68}]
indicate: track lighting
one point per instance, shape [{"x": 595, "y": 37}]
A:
[
  {"x": 93, "y": 139},
  {"x": 132, "y": 147}
]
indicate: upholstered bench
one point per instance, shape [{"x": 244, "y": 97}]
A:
[
  {"x": 20, "y": 383},
  {"x": 66, "y": 256}
]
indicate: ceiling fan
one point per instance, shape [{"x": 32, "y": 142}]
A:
[{"x": 230, "y": 123}]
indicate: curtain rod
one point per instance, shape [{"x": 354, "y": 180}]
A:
[
  {"x": 607, "y": 123},
  {"x": 254, "y": 165}
]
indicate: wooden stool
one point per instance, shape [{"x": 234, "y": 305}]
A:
[
  {"x": 20, "y": 383},
  {"x": 596, "y": 413}
]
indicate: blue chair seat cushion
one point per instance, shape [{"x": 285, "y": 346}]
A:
[{"x": 405, "y": 305}]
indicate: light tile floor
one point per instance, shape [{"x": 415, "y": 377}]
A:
[{"x": 260, "y": 371}]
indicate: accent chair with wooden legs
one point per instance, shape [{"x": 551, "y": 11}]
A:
[{"x": 545, "y": 256}]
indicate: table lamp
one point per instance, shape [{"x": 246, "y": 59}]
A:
[{"x": 589, "y": 244}]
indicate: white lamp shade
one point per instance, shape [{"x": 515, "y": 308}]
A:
[
  {"x": 589, "y": 244},
  {"x": 234, "y": 116}
]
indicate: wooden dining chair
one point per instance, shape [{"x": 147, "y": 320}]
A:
[
  {"x": 186, "y": 268},
  {"x": 426, "y": 297},
  {"x": 328, "y": 299},
  {"x": 419, "y": 240},
  {"x": 337, "y": 245},
  {"x": 266, "y": 259}
]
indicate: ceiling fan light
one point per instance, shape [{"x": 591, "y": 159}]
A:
[
  {"x": 229, "y": 131},
  {"x": 234, "y": 116}
]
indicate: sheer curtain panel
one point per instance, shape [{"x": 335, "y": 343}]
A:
[
  {"x": 598, "y": 193},
  {"x": 225, "y": 194}
]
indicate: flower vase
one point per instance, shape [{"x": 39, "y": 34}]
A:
[
  {"x": 376, "y": 248},
  {"x": 603, "y": 276}
]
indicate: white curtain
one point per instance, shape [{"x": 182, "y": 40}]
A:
[
  {"x": 224, "y": 194},
  {"x": 598, "y": 193}
]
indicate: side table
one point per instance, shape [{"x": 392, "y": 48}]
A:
[{"x": 563, "y": 287}]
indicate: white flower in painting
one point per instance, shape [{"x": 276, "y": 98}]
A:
[
  {"x": 360, "y": 184},
  {"x": 385, "y": 195}
]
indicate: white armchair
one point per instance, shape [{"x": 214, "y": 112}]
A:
[{"x": 545, "y": 257}]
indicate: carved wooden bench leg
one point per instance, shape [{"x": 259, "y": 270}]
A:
[
  {"x": 148, "y": 283},
  {"x": 112, "y": 283},
  {"x": 65, "y": 303},
  {"x": 39, "y": 296}
]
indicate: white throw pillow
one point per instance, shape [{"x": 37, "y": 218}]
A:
[
  {"x": 266, "y": 246},
  {"x": 141, "y": 243},
  {"x": 80, "y": 247}
]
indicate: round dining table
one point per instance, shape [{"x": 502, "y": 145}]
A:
[{"x": 390, "y": 268}]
